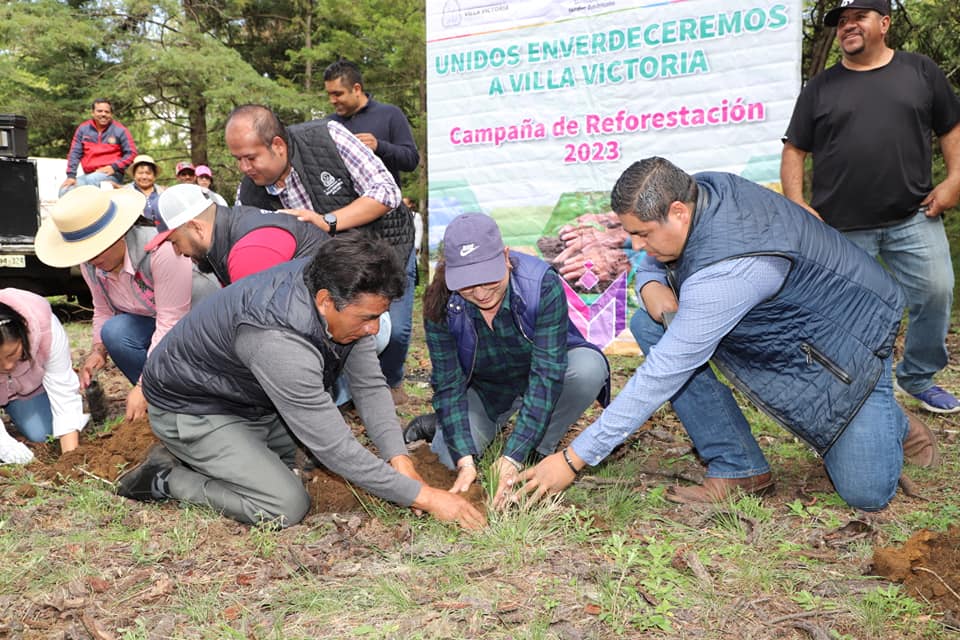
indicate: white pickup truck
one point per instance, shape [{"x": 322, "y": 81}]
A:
[{"x": 28, "y": 188}]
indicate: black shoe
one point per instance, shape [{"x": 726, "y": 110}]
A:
[
  {"x": 421, "y": 428},
  {"x": 141, "y": 482}
]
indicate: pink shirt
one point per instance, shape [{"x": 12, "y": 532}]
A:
[
  {"x": 172, "y": 288},
  {"x": 259, "y": 250}
]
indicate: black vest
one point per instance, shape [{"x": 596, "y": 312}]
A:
[
  {"x": 314, "y": 156},
  {"x": 232, "y": 224},
  {"x": 195, "y": 370}
]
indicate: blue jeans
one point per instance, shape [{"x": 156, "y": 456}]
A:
[
  {"x": 127, "y": 338},
  {"x": 864, "y": 463},
  {"x": 709, "y": 413},
  {"x": 918, "y": 255},
  {"x": 94, "y": 179},
  {"x": 584, "y": 378},
  {"x": 32, "y": 416},
  {"x": 394, "y": 356}
]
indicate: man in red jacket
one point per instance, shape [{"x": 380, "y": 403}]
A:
[{"x": 102, "y": 146}]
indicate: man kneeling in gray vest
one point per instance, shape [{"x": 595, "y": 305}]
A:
[{"x": 255, "y": 362}]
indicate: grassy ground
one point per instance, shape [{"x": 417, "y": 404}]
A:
[{"x": 610, "y": 559}]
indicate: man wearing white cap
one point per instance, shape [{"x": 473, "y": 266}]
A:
[
  {"x": 501, "y": 343},
  {"x": 233, "y": 243},
  {"x": 138, "y": 295}
]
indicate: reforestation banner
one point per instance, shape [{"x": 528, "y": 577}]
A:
[{"x": 535, "y": 107}]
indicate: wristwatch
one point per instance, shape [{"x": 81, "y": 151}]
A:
[{"x": 331, "y": 220}]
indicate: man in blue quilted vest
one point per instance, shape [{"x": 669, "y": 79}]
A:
[{"x": 795, "y": 316}]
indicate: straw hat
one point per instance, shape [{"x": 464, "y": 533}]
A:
[
  {"x": 84, "y": 223},
  {"x": 145, "y": 159}
]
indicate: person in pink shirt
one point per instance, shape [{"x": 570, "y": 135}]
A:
[
  {"x": 138, "y": 295},
  {"x": 40, "y": 391}
]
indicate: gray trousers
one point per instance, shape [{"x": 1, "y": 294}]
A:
[
  {"x": 582, "y": 382},
  {"x": 239, "y": 467}
]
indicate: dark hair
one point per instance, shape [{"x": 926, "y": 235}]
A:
[
  {"x": 265, "y": 122},
  {"x": 647, "y": 188},
  {"x": 13, "y": 328},
  {"x": 352, "y": 263},
  {"x": 436, "y": 295},
  {"x": 101, "y": 101},
  {"x": 348, "y": 72}
]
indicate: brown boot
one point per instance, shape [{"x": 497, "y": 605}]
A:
[
  {"x": 920, "y": 446},
  {"x": 718, "y": 489}
]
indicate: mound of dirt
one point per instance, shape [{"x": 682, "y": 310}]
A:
[
  {"x": 127, "y": 444},
  {"x": 105, "y": 456},
  {"x": 928, "y": 564},
  {"x": 436, "y": 475},
  {"x": 330, "y": 493}
]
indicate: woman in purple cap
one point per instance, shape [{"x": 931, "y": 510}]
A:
[{"x": 501, "y": 343}]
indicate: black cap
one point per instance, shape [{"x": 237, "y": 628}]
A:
[{"x": 833, "y": 16}]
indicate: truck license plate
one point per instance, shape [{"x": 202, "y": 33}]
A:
[{"x": 17, "y": 262}]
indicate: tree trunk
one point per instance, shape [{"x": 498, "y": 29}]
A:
[
  {"x": 198, "y": 130},
  {"x": 307, "y": 45},
  {"x": 422, "y": 184},
  {"x": 823, "y": 42}
]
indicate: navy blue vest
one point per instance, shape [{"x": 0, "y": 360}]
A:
[
  {"x": 232, "y": 224},
  {"x": 316, "y": 159},
  {"x": 810, "y": 355},
  {"x": 525, "y": 280},
  {"x": 195, "y": 369}
]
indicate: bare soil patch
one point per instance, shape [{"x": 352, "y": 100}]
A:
[
  {"x": 928, "y": 564},
  {"x": 105, "y": 456},
  {"x": 109, "y": 453}
]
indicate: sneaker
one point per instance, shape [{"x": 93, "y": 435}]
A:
[
  {"x": 147, "y": 481},
  {"x": 935, "y": 399}
]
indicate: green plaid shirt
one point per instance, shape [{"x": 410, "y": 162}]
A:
[{"x": 508, "y": 365}]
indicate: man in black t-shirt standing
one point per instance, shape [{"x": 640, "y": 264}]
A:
[{"x": 868, "y": 121}]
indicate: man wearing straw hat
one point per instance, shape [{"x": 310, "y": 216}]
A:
[{"x": 137, "y": 295}]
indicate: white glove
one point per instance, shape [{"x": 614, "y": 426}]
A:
[{"x": 13, "y": 451}]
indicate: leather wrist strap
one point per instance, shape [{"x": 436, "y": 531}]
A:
[{"x": 566, "y": 458}]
